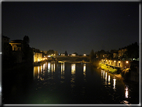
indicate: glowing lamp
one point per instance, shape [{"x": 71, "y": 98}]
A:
[{"x": 127, "y": 62}]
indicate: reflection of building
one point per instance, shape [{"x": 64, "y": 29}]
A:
[
  {"x": 53, "y": 67},
  {"x": 114, "y": 83},
  {"x": 84, "y": 67},
  {"x": 108, "y": 79},
  {"x": 73, "y": 68},
  {"x": 36, "y": 71},
  {"x": 62, "y": 70},
  {"x": 126, "y": 92}
]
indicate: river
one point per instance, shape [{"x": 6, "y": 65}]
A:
[{"x": 66, "y": 83}]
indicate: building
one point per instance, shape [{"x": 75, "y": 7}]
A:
[
  {"x": 62, "y": 54},
  {"x": 17, "y": 50},
  {"x": 105, "y": 56},
  {"x": 37, "y": 56},
  {"x": 84, "y": 54},
  {"x": 17, "y": 45},
  {"x": 73, "y": 54}
]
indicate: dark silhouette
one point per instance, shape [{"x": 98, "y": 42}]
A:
[
  {"x": 66, "y": 54},
  {"x": 49, "y": 52}
]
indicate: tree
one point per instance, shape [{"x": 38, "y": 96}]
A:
[
  {"x": 92, "y": 55},
  {"x": 66, "y": 54},
  {"x": 101, "y": 53},
  {"x": 75, "y": 53},
  {"x": 26, "y": 39},
  {"x": 49, "y": 52},
  {"x": 26, "y": 49},
  {"x": 132, "y": 51}
]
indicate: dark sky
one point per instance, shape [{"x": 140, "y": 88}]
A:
[{"x": 72, "y": 27}]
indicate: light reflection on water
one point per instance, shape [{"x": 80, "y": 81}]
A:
[
  {"x": 62, "y": 71},
  {"x": 70, "y": 78},
  {"x": 126, "y": 92},
  {"x": 73, "y": 68},
  {"x": 108, "y": 79},
  {"x": 84, "y": 70}
]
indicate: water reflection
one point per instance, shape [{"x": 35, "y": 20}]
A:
[
  {"x": 126, "y": 92},
  {"x": 108, "y": 79},
  {"x": 73, "y": 68},
  {"x": 62, "y": 70},
  {"x": 114, "y": 83},
  {"x": 48, "y": 66},
  {"x": 84, "y": 69},
  {"x": 102, "y": 74},
  {"x": 38, "y": 70},
  {"x": 53, "y": 67}
]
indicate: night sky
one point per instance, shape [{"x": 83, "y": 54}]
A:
[{"x": 72, "y": 27}]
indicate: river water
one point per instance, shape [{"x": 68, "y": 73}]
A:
[{"x": 67, "y": 83}]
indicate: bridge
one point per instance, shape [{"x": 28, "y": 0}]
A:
[{"x": 70, "y": 59}]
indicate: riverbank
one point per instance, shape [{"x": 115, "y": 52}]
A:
[{"x": 127, "y": 75}]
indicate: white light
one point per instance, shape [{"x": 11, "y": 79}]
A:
[
  {"x": 84, "y": 67},
  {"x": 0, "y": 89},
  {"x": 49, "y": 67},
  {"x": 114, "y": 83},
  {"x": 126, "y": 92}
]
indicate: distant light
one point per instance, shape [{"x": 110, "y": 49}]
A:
[
  {"x": 84, "y": 54},
  {"x": 114, "y": 61},
  {"x": 127, "y": 62}
]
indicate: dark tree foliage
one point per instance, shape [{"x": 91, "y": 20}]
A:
[
  {"x": 132, "y": 51},
  {"x": 27, "y": 51},
  {"x": 49, "y": 52},
  {"x": 75, "y": 53},
  {"x": 92, "y": 55},
  {"x": 26, "y": 39},
  {"x": 100, "y": 54},
  {"x": 66, "y": 54}
]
